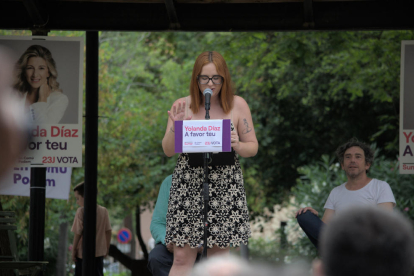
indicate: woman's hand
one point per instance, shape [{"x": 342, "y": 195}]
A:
[
  {"x": 44, "y": 92},
  {"x": 177, "y": 113},
  {"x": 235, "y": 140},
  {"x": 170, "y": 247}
]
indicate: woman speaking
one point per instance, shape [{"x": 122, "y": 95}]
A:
[
  {"x": 228, "y": 215},
  {"x": 36, "y": 82}
]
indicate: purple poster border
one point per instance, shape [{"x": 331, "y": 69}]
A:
[
  {"x": 178, "y": 128},
  {"x": 226, "y": 135}
]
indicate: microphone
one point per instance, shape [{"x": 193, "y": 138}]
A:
[{"x": 207, "y": 93}]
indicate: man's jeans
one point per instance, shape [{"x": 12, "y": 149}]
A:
[
  {"x": 311, "y": 224},
  {"x": 160, "y": 260},
  {"x": 98, "y": 266}
]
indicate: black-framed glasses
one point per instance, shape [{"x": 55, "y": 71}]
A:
[{"x": 216, "y": 79}]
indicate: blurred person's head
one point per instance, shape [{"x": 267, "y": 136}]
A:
[
  {"x": 266, "y": 269},
  {"x": 13, "y": 127},
  {"x": 6, "y": 70},
  {"x": 364, "y": 241},
  {"x": 222, "y": 265},
  {"x": 35, "y": 67},
  {"x": 229, "y": 265}
]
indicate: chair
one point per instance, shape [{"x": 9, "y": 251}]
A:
[{"x": 11, "y": 261}]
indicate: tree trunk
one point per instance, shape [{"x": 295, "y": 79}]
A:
[
  {"x": 62, "y": 249},
  {"x": 137, "y": 267},
  {"x": 128, "y": 224},
  {"x": 138, "y": 224}
]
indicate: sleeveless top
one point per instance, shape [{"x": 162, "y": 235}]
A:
[{"x": 228, "y": 215}]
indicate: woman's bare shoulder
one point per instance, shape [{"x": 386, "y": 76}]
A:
[{"x": 240, "y": 103}]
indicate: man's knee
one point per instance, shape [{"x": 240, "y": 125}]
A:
[{"x": 306, "y": 218}]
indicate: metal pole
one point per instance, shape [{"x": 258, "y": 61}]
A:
[
  {"x": 91, "y": 153},
  {"x": 37, "y": 213},
  {"x": 207, "y": 158},
  {"x": 37, "y": 207},
  {"x": 244, "y": 251}
]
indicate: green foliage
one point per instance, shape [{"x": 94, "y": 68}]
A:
[
  {"x": 126, "y": 273},
  {"x": 56, "y": 212},
  {"x": 316, "y": 183},
  {"x": 308, "y": 90},
  {"x": 268, "y": 251},
  {"x": 135, "y": 93},
  {"x": 271, "y": 252}
]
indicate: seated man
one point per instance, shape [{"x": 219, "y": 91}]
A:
[
  {"x": 366, "y": 241},
  {"x": 355, "y": 158},
  {"x": 161, "y": 258}
]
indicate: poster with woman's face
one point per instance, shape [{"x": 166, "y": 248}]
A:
[
  {"x": 48, "y": 84},
  {"x": 407, "y": 108}
]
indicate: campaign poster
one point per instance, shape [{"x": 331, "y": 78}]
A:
[
  {"x": 17, "y": 182},
  {"x": 48, "y": 84},
  {"x": 407, "y": 108}
]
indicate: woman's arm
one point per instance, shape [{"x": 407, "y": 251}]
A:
[
  {"x": 245, "y": 142},
  {"x": 50, "y": 112},
  {"x": 176, "y": 113}
]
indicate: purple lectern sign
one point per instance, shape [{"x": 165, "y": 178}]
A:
[{"x": 202, "y": 136}]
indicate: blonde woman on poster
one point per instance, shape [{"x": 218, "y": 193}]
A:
[{"x": 36, "y": 83}]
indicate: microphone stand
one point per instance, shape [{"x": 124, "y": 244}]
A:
[{"x": 207, "y": 157}]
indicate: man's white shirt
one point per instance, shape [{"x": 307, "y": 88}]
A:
[{"x": 374, "y": 193}]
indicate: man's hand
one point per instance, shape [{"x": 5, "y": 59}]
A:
[
  {"x": 73, "y": 255},
  {"x": 170, "y": 247},
  {"x": 303, "y": 210}
]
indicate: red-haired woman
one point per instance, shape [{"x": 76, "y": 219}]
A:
[{"x": 228, "y": 215}]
